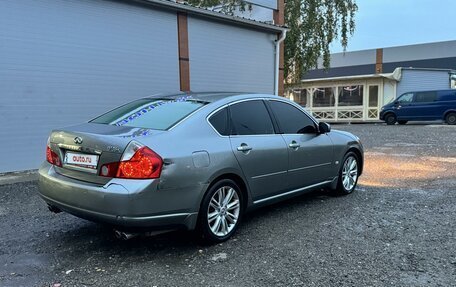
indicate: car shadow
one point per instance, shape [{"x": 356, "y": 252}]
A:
[
  {"x": 290, "y": 204},
  {"x": 91, "y": 238}
]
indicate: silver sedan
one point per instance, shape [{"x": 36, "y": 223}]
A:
[{"x": 196, "y": 160}]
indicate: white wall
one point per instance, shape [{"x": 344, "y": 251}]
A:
[{"x": 65, "y": 61}]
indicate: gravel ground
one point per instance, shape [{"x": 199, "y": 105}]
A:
[{"x": 397, "y": 229}]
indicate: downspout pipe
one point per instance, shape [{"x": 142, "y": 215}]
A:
[{"x": 277, "y": 42}]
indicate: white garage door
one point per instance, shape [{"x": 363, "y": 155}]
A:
[
  {"x": 65, "y": 61},
  {"x": 230, "y": 58}
]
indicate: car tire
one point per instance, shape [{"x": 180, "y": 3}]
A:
[
  {"x": 402, "y": 122},
  {"x": 390, "y": 119},
  {"x": 450, "y": 118},
  {"x": 221, "y": 211},
  {"x": 348, "y": 174}
]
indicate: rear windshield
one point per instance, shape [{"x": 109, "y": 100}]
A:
[{"x": 158, "y": 114}]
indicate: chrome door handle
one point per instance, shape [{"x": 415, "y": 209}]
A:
[
  {"x": 294, "y": 145},
  {"x": 243, "y": 147}
]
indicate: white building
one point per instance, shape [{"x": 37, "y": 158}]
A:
[
  {"x": 359, "y": 83},
  {"x": 66, "y": 61}
]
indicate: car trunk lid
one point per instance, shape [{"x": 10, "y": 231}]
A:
[{"x": 83, "y": 149}]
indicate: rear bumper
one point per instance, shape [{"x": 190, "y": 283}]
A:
[{"x": 127, "y": 204}]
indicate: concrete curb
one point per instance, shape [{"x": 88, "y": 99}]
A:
[{"x": 20, "y": 176}]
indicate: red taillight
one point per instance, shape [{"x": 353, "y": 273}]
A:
[
  {"x": 52, "y": 157},
  {"x": 144, "y": 164},
  {"x": 109, "y": 169}
]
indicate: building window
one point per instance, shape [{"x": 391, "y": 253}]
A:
[
  {"x": 323, "y": 97},
  {"x": 373, "y": 96},
  {"x": 351, "y": 95},
  {"x": 301, "y": 97}
]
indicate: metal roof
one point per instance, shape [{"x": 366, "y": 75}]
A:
[{"x": 218, "y": 16}]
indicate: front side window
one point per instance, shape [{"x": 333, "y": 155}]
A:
[
  {"x": 301, "y": 97},
  {"x": 422, "y": 97},
  {"x": 291, "y": 120},
  {"x": 406, "y": 98},
  {"x": 159, "y": 114},
  {"x": 250, "y": 118}
]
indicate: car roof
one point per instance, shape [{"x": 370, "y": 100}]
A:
[
  {"x": 209, "y": 97},
  {"x": 423, "y": 91}
]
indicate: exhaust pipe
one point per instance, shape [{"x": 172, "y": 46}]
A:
[
  {"x": 54, "y": 209},
  {"x": 124, "y": 235}
]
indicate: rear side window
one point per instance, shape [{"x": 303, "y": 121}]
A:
[
  {"x": 292, "y": 120},
  {"x": 220, "y": 122},
  {"x": 159, "y": 114},
  {"x": 250, "y": 118},
  {"x": 421, "y": 97}
]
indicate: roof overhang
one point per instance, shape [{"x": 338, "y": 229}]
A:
[
  {"x": 395, "y": 75},
  {"x": 346, "y": 78},
  {"x": 217, "y": 16}
]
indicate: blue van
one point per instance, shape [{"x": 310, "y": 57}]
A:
[{"x": 421, "y": 106}]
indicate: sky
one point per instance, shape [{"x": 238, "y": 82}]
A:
[{"x": 388, "y": 23}]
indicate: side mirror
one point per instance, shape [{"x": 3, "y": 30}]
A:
[{"x": 324, "y": 128}]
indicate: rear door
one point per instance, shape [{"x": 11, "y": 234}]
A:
[
  {"x": 310, "y": 154},
  {"x": 261, "y": 153}
]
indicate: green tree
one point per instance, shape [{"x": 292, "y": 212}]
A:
[
  {"x": 226, "y": 6},
  {"x": 313, "y": 24}
]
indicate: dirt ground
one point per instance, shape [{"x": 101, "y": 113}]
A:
[{"x": 396, "y": 229}]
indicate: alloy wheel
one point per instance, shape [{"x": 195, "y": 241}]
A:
[
  {"x": 223, "y": 211},
  {"x": 349, "y": 173}
]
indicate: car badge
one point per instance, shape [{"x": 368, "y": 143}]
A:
[{"x": 78, "y": 140}]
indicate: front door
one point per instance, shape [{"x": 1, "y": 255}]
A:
[
  {"x": 310, "y": 159},
  {"x": 403, "y": 107},
  {"x": 261, "y": 153},
  {"x": 310, "y": 154}
]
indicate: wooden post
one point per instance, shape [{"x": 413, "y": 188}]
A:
[
  {"x": 379, "y": 61},
  {"x": 184, "y": 57},
  {"x": 279, "y": 19}
]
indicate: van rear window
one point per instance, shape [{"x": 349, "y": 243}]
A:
[{"x": 159, "y": 114}]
